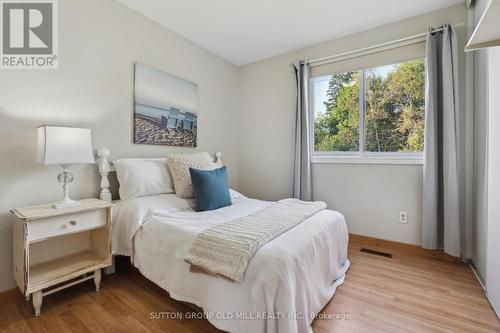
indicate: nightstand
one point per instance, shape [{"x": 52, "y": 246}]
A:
[{"x": 58, "y": 248}]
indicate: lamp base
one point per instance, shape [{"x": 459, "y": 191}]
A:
[
  {"x": 66, "y": 204},
  {"x": 65, "y": 178}
]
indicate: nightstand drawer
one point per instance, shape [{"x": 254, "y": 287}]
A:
[{"x": 65, "y": 224}]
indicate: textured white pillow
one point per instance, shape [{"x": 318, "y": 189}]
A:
[
  {"x": 139, "y": 177},
  {"x": 179, "y": 165}
]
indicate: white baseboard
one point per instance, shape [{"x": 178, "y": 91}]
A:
[{"x": 478, "y": 276}]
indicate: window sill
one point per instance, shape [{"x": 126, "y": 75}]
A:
[{"x": 377, "y": 158}]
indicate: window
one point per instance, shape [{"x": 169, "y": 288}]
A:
[{"x": 374, "y": 112}]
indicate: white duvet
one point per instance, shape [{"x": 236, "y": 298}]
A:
[{"x": 287, "y": 282}]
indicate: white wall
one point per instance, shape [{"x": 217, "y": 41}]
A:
[
  {"x": 370, "y": 196},
  {"x": 493, "y": 234},
  {"x": 99, "y": 42}
]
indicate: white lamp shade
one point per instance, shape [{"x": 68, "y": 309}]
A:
[{"x": 64, "y": 145}]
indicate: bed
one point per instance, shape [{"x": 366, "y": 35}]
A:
[{"x": 287, "y": 282}]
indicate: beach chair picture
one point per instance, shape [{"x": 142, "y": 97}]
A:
[{"x": 165, "y": 108}]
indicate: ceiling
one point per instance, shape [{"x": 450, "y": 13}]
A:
[{"x": 245, "y": 31}]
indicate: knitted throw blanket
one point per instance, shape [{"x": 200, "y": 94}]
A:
[{"x": 225, "y": 249}]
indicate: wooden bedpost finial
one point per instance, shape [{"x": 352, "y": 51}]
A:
[{"x": 104, "y": 168}]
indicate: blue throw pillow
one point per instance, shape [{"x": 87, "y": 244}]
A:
[{"x": 210, "y": 188}]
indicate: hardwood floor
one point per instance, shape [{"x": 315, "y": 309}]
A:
[{"x": 406, "y": 293}]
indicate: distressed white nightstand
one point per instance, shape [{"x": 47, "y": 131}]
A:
[{"x": 57, "y": 248}]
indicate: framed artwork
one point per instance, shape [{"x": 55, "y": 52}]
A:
[{"x": 165, "y": 108}]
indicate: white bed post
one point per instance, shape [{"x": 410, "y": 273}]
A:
[
  {"x": 104, "y": 169},
  {"x": 218, "y": 159}
]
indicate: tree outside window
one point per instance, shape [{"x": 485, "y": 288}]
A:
[{"x": 390, "y": 100}]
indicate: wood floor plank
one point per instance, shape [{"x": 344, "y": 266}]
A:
[
  {"x": 412, "y": 292},
  {"x": 12, "y": 321}
]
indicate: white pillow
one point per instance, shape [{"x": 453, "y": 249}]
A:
[
  {"x": 139, "y": 177},
  {"x": 179, "y": 165}
]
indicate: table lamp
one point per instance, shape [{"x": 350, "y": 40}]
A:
[{"x": 64, "y": 146}]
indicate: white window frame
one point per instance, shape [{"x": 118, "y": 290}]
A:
[{"x": 361, "y": 156}]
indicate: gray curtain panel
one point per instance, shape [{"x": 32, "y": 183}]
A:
[
  {"x": 441, "y": 211},
  {"x": 302, "y": 185}
]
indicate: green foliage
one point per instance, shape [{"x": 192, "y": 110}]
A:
[
  {"x": 394, "y": 111},
  {"x": 336, "y": 83},
  {"x": 337, "y": 128}
]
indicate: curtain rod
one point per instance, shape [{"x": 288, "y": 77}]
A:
[{"x": 374, "y": 48}]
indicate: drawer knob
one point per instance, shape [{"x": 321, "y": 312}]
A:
[{"x": 72, "y": 222}]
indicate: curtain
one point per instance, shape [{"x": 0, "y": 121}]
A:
[
  {"x": 302, "y": 185},
  {"x": 441, "y": 208}
]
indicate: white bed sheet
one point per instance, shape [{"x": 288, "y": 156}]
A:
[{"x": 289, "y": 279}]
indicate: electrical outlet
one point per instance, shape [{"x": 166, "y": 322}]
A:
[{"x": 403, "y": 217}]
